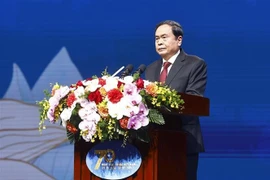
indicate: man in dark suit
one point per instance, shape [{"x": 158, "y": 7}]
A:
[{"x": 184, "y": 73}]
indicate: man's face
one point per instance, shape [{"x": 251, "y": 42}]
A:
[{"x": 167, "y": 44}]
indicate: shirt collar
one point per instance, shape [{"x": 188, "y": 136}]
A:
[{"x": 173, "y": 58}]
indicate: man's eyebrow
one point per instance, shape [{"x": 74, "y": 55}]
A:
[{"x": 161, "y": 35}]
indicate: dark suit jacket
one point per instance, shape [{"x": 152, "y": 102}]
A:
[{"x": 188, "y": 74}]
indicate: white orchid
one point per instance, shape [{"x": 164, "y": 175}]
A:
[
  {"x": 114, "y": 110},
  {"x": 65, "y": 115},
  {"x": 111, "y": 83},
  {"x": 89, "y": 129},
  {"x": 91, "y": 85},
  {"x": 79, "y": 92}
]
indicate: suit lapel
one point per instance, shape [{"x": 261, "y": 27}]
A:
[
  {"x": 157, "y": 71},
  {"x": 176, "y": 67},
  {"x": 154, "y": 73}
]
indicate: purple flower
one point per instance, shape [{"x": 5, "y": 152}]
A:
[
  {"x": 137, "y": 121},
  {"x": 143, "y": 110},
  {"x": 134, "y": 122},
  {"x": 50, "y": 114}
]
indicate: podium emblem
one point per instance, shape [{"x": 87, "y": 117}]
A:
[{"x": 109, "y": 160}]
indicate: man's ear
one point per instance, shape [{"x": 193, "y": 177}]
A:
[{"x": 179, "y": 39}]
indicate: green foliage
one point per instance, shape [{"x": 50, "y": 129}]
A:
[
  {"x": 136, "y": 76},
  {"x": 71, "y": 137},
  {"x": 156, "y": 117},
  {"x": 103, "y": 127},
  {"x": 142, "y": 134},
  {"x": 105, "y": 72}
]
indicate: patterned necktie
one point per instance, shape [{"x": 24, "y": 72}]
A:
[{"x": 164, "y": 72}]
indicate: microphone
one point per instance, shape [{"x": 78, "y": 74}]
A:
[
  {"x": 140, "y": 69},
  {"x": 127, "y": 71}
]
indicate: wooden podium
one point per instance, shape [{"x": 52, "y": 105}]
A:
[{"x": 161, "y": 160}]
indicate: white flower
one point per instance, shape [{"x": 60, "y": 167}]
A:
[
  {"x": 86, "y": 111},
  {"x": 125, "y": 107},
  {"x": 91, "y": 85},
  {"x": 91, "y": 106},
  {"x": 105, "y": 77},
  {"x": 128, "y": 108},
  {"x": 53, "y": 101},
  {"x": 115, "y": 110},
  {"x": 128, "y": 79},
  {"x": 93, "y": 117},
  {"x": 88, "y": 126},
  {"x": 61, "y": 92},
  {"x": 111, "y": 83},
  {"x": 131, "y": 92},
  {"x": 79, "y": 92},
  {"x": 83, "y": 113},
  {"x": 65, "y": 115},
  {"x": 64, "y": 91},
  {"x": 146, "y": 83},
  {"x": 83, "y": 102},
  {"x": 87, "y": 137},
  {"x": 145, "y": 121},
  {"x": 73, "y": 105}
]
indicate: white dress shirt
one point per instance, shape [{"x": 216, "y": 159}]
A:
[{"x": 171, "y": 60}]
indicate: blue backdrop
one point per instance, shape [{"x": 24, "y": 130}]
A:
[{"x": 232, "y": 36}]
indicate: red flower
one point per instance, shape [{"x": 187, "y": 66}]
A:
[
  {"x": 114, "y": 95},
  {"x": 119, "y": 84},
  {"x": 71, "y": 128},
  {"x": 79, "y": 83},
  {"x": 95, "y": 96},
  {"x": 140, "y": 83},
  {"x": 70, "y": 99},
  {"x": 123, "y": 122},
  {"x": 101, "y": 81}
]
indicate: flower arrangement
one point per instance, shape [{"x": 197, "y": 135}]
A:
[{"x": 107, "y": 107}]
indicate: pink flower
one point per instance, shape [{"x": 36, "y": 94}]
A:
[
  {"x": 140, "y": 119},
  {"x": 50, "y": 114}
]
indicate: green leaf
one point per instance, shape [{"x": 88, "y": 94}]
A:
[
  {"x": 47, "y": 93},
  {"x": 75, "y": 120},
  {"x": 103, "y": 127},
  {"x": 75, "y": 111},
  {"x": 156, "y": 117},
  {"x": 105, "y": 72},
  {"x": 71, "y": 137},
  {"x": 142, "y": 135},
  {"x": 136, "y": 76}
]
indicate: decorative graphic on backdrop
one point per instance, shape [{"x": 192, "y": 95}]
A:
[
  {"x": 61, "y": 69},
  {"x": 23, "y": 149},
  {"x": 21, "y": 144}
]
